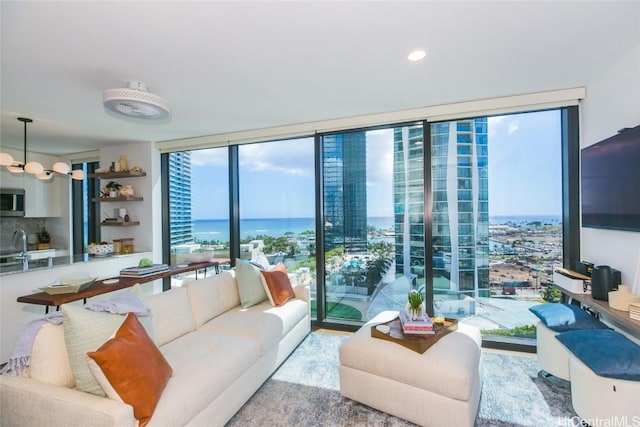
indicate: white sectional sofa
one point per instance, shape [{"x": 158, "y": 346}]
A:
[{"x": 220, "y": 354}]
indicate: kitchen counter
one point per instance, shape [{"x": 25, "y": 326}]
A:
[{"x": 39, "y": 260}]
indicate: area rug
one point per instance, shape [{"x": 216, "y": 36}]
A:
[{"x": 304, "y": 391}]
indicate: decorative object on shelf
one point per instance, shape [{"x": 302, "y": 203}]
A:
[
  {"x": 135, "y": 101},
  {"x": 136, "y": 170},
  {"x": 127, "y": 191},
  {"x": 36, "y": 168},
  {"x": 198, "y": 256},
  {"x": 124, "y": 245},
  {"x": 44, "y": 239},
  {"x": 100, "y": 249},
  {"x": 68, "y": 286},
  {"x": 112, "y": 188},
  {"x": 415, "y": 305},
  {"x": 124, "y": 165},
  {"x": 622, "y": 298}
]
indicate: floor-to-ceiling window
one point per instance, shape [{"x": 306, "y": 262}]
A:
[
  {"x": 475, "y": 222},
  {"x": 276, "y": 182},
  {"x": 373, "y": 192},
  {"x": 198, "y": 195},
  {"x": 497, "y": 217}
]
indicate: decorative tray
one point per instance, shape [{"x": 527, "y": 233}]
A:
[
  {"x": 68, "y": 286},
  {"x": 415, "y": 342}
]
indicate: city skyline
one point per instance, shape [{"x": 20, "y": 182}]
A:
[{"x": 277, "y": 178}]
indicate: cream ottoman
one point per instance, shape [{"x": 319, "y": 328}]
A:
[{"x": 437, "y": 388}]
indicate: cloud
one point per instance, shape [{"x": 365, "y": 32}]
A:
[
  {"x": 279, "y": 156},
  {"x": 502, "y": 125},
  {"x": 209, "y": 157}
]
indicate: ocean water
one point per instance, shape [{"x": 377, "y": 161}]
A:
[{"x": 218, "y": 229}]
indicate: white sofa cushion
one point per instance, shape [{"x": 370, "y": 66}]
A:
[
  {"x": 212, "y": 296},
  {"x": 84, "y": 331},
  {"x": 171, "y": 313},
  {"x": 49, "y": 358},
  {"x": 262, "y": 323},
  {"x": 250, "y": 285},
  {"x": 204, "y": 366}
]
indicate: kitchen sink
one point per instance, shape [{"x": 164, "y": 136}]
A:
[{"x": 11, "y": 261}]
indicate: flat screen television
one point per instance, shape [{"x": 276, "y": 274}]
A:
[{"x": 610, "y": 182}]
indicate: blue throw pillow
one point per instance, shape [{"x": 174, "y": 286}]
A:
[
  {"x": 606, "y": 352},
  {"x": 565, "y": 317}
]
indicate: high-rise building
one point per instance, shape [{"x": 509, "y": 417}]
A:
[
  {"x": 459, "y": 183},
  {"x": 345, "y": 191},
  {"x": 460, "y": 186},
  {"x": 181, "y": 225},
  {"x": 408, "y": 199}
]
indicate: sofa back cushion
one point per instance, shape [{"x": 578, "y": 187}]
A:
[
  {"x": 212, "y": 296},
  {"x": 172, "y": 316},
  {"x": 49, "y": 358},
  {"x": 250, "y": 287},
  {"x": 84, "y": 331}
]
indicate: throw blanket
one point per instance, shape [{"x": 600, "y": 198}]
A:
[
  {"x": 122, "y": 303},
  {"x": 21, "y": 353}
]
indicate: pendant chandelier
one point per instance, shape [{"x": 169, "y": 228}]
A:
[{"x": 36, "y": 168}]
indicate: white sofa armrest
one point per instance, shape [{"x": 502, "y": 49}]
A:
[
  {"x": 303, "y": 292},
  {"x": 27, "y": 402}
]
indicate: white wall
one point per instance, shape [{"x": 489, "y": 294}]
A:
[
  {"x": 148, "y": 212},
  {"x": 612, "y": 103}
]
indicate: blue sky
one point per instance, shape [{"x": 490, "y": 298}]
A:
[{"x": 277, "y": 178}]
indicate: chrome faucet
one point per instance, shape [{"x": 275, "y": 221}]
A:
[{"x": 23, "y": 255}]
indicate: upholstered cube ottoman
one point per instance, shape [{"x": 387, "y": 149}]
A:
[
  {"x": 555, "y": 318},
  {"x": 604, "y": 367},
  {"x": 440, "y": 387}
]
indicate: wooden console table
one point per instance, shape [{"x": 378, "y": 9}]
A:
[
  {"x": 99, "y": 287},
  {"x": 618, "y": 318}
]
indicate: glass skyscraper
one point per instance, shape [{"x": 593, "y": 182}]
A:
[
  {"x": 180, "y": 198},
  {"x": 459, "y": 182},
  {"x": 345, "y": 173},
  {"x": 460, "y": 186},
  {"x": 408, "y": 199}
]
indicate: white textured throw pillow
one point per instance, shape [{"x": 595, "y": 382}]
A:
[
  {"x": 49, "y": 358},
  {"x": 84, "y": 331},
  {"x": 250, "y": 285}
]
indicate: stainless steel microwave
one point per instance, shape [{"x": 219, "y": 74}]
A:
[{"x": 11, "y": 202}]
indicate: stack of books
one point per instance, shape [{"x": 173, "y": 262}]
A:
[
  {"x": 423, "y": 326},
  {"x": 144, "y": 271},
  {"x": 634, "y": 310}
]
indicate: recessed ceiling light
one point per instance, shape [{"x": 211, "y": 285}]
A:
[{"x": 417, "y": 55}]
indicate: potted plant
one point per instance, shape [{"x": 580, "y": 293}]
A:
[
  {"x": 113, "y": 188},
  {"x": 44, "y": 239},
  {"x": 415, "y": 305}
]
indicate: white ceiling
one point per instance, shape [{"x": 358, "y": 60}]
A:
[{"x": 229, "y": 66}]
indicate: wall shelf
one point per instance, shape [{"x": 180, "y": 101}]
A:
[
  {"x": 119, "y": 223},
  {"x": 112, "y": 175},
  {"x": 117, "y": 199}
]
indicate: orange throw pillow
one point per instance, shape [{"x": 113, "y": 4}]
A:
[
  {"x": 130, "y": 368},
  {"x": 278, "y": 284}
]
